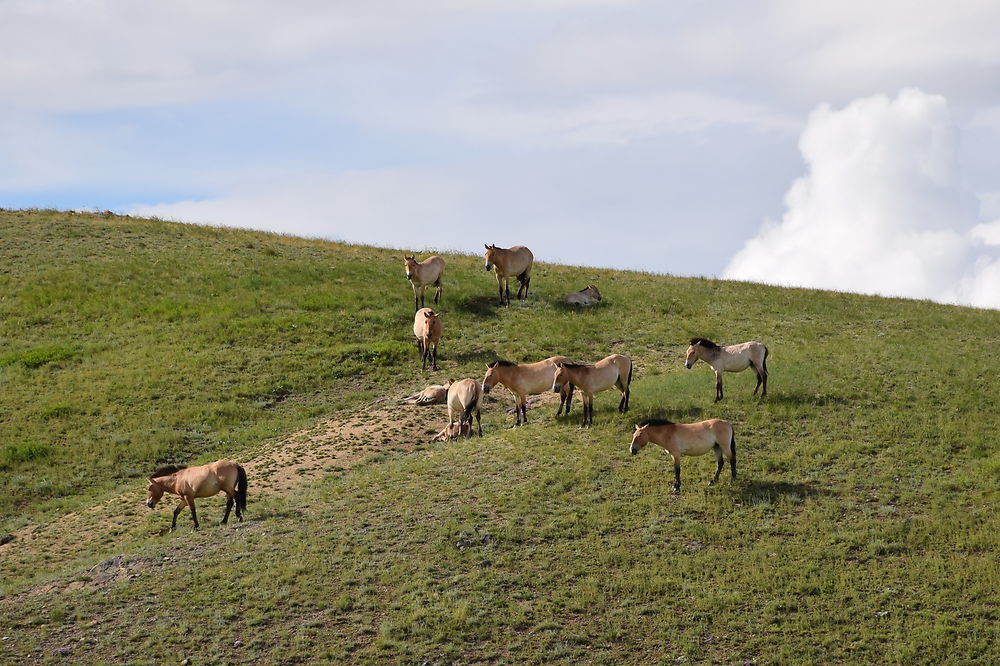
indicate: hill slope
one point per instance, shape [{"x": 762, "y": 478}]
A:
[{"x": 862, "y": 527}]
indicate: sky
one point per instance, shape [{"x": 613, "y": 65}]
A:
[{"x": 849, "y": 146}]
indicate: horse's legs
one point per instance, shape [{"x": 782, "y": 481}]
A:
[
  {"x": 677, "y": 472},
  {"x": 718, "y": 385},
  {"x": 479, "y": 422},
  {"x": 719, "y": 464},
  {"x": 506, "y": 290},
  {"x": 434, "y": 357},
  {"x": 194, "y": 514},
  {"x": 230, "y": 500},
  {"x": 732, "y": 456},
  {"x": 437, "y": 293},
  {"x": 760, "y": 377},
  {"x": 180, "y": 507}
]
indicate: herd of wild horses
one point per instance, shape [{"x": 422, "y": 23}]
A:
[{"x": 464, "y": 397}]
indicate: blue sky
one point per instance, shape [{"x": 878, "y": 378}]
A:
[{"x": 847, "y": 147}]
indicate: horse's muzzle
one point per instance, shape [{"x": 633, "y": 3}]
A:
[
  {"x": 486, "y": 388},
  {"x": 556, "y": 388},
  {"x": 409, "y": 276},
  {"x": 633, "y": 449},
  {"x": 150, "y": 503},
  {"x": 489, "y": 266},
  {"x": 687, "y": 365}
]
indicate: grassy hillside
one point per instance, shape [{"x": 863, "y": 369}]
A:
[{"x": 862, "y": 528}]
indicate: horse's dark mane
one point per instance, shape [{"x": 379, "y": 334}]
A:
[
  {"x": 167, "y": 470},
  {"x": 704, "y": 342},
  {"x": 503, "y": 363},
  {"x": 654, "y": 422},
  {"x": 572, "y": 366}
]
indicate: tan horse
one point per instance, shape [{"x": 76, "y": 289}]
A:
[
  {"x": 524, "y": 379},
  {"x": 612, "y": 371},
  {"x": 464, "y": 398},
  {"x": 432, "y": 395},
  {"x": 734, "y": 358},
  {"x": 423, "y": 273},
  {"x": 453, "y": 430},
  {"x": 427, "y": 329},
  {"x": 688, "y": 439},
  {"x": 587, "y": 296},
  {"x": 513, "y": 262},
  {"x": 201, "y": 481}
]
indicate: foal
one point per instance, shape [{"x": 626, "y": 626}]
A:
[{"x": 734, "y": 358}]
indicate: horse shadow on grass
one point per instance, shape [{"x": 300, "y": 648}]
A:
[
  {"x": 479, "y": 306},
  {"x": 757, "y": 493}
]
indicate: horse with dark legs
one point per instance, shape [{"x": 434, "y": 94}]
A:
[
  {"x": 464, "y": 399},
  {"x": 688, "y": 439},
  {"x": 202, "y": 481},
  {"x": 427, "y": 329},
  {"x": 513, "y": 262},
  {"x": 524, "y": 379},
  {"x": 734, "y": 358},
  {"x": 421, "y": 274},
  {"x": 611, "y": 371}
]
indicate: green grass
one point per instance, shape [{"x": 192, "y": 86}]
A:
[{"x": 862, "y": 528}]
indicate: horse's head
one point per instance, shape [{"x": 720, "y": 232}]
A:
[
  {"x": 593, "y": 292},
  {"x": 639, "y": 439},
  {"x": 491, "y": 378},
  {"x": 560, "y": 378},
  {"x": 490, "y": 253},
  {"x": 691, "y": 357},
  {"x": 154, "y": 491},
  {"x": 411, "y": 266}
]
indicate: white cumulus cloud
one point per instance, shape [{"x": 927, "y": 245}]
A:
[{"x": 881, "y": 209}]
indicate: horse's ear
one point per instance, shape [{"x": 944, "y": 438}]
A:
[{"x": 486, "y": 246}]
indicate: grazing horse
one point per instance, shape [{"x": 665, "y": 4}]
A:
[
  {"x": 201, "y": 481},
  {"x": 432, "y": 395},
  {"x": 688, "y": 439},
  {"x": 423, "y": 273},
  {"x": 427, "y": 329},
  {"x": 614, "y": 370},
  {"x": 524, "y": 379},
  {"x": 587, "y": 296},
  {"x": 464, "y": 398},
  {"x": 513, "y": 262},
  {"x": 734, "y": 358}
]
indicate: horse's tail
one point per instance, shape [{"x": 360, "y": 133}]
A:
[
  {"x": 467, "y": 413},
  {"x": 764, "y": 362},
  {"x": 241, "y": 488}
]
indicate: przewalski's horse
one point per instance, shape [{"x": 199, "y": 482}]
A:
[
  {"x": 513, "y": 262},
  {"x": 688, "y": 439},
  {"x": 453, "y": 430},
  {"x": 427, "y": 330},
  {"x": 432, "y": 395},
  {"x": 734, "y": 358},
  {"x": 612, "y": 371},
  {"x": 423, "y": 273},
  {"x": 464, "y": 398},
  {"x": 587, "y": 296},
  {"x": 201, "y": 481},
  {"x": 524, "y": 379}
]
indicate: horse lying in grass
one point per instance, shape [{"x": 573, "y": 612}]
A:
[
  {"x": 436, "y": 394},
  {"x": 587, "y": 296},
  {"x": 734, "y": 358},
  {"x": 688, "y": 439},
  {"x": 524, "y": 379},
  {"x": 453, "y": 430},
  {"x": 424, "y": 273},
  {"x": 611, "y": 371},
  {"x": 464, "y": 398},
  {"x": 201, "y": 481},
  {"x": 512, "y": 262},
  {"x": 427, "y": 329}
]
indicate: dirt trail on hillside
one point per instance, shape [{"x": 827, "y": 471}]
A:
[{"x": 276, "y": 469}]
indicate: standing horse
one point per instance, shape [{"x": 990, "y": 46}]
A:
[
  {"x": 201, "y": 481},
  {"x": 612, "y": 371},
  {"x": 427, "y": 330},
  {"x": 586, "y": 296},
  {"x": 513, "y": 262},
  {"x": 688, "y": 439},
  {"x": 734, "y": 358},
  {"x": 420, "y": 274},
  {"x": 524, "y": 379},
  {"x": 464, "y": 398}
]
